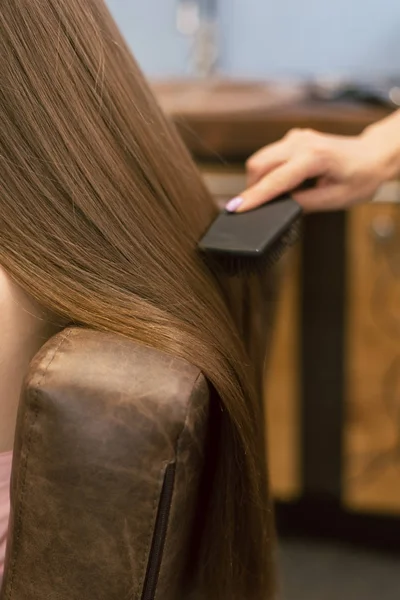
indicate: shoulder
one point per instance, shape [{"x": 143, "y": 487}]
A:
[{"x": 24, "y": 324}]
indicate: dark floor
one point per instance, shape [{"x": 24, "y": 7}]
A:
[{"x": 322, "y": 571}]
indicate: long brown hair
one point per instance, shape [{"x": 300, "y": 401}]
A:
[{"x": 101, "y": 208}]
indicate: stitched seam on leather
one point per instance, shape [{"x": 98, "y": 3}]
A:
[
  {"x": 177, "y": 450},
  {"x": 22, "y": 478},
  {"x": 145, "y": 561}
]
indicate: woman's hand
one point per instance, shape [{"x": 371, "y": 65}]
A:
[{"x": 348, "y": 169}]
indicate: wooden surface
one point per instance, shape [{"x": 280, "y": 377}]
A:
[
  {"x": 371, "y": 480},
  {"x": 231, "y": 120}
]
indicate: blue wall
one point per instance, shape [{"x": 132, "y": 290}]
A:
[
  {"x": 272, "y": 37},
  {"x": 150, "y": 28}
]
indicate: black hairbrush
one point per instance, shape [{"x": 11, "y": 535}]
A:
[{"x": 244, "y": 243}]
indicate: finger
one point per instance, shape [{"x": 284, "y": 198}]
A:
[
  {"x": 266, "y": 160},
  {"x": 329, "y": 197},
  {"x": 283, "y": 179}
]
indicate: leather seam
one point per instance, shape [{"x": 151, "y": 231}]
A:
[
  {"x": 145, "y": 561},
  {"x": 22, "y": 478},
  {"x": 177, "y": 450}
]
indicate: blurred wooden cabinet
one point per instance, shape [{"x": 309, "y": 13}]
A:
[
  {"x": 371, "y": 473},
  {"x": 332, "y": 387},
  {"x": 370, "y": 427}
]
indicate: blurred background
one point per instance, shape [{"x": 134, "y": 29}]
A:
[
  {"x": 236, "y": 75},
  {"x": 261, "y": 38}
]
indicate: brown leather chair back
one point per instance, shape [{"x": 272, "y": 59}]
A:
[{"x": 109, "y": 449}]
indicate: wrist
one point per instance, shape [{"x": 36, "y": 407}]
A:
[{"x": 382, "y": 141}]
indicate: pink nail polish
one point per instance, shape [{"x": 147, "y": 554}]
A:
[{"x": 234, "y": 204}]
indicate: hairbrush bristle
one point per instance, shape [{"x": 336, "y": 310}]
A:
[{"x": 247, "y": 266}]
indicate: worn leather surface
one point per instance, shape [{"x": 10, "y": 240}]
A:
[
  {"x": 188, "y": 469},
  {"x": 100, "y": 418}
]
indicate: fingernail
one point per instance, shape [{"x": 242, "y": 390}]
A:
[{"x": 234, "y": 204}]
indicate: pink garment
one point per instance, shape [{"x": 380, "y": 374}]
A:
[{"x": 5, "y": 475}]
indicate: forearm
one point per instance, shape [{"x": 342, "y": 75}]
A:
[{"x": 384, "y": 139}]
